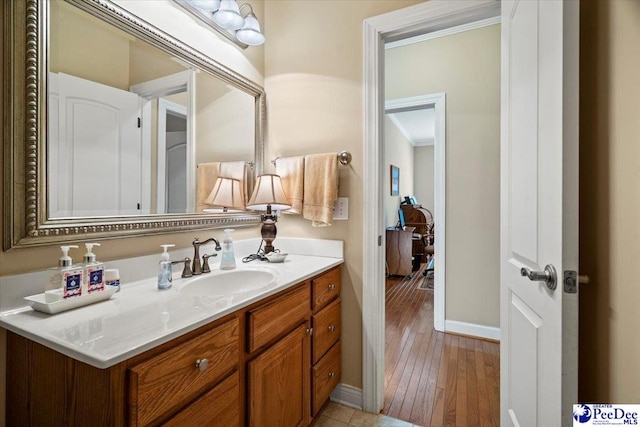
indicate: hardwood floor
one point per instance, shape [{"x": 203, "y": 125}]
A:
[{"x": 433, "y": 378}]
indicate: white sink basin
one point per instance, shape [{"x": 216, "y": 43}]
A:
[{"x": 228, "y": 283}]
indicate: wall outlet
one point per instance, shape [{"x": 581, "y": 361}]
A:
[{"x": 341, "y": 208}]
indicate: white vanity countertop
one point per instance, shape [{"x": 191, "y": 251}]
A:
[{"x": 141, "y": 317}]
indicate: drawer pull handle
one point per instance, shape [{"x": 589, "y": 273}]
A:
[
  {"x": 332, "y": 374},
  {"x": 332, "y": 328},
  {"x": 332, "y": 287},
  {"x": 202, "y": 364}
]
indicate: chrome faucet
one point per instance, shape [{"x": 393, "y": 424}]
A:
[{"x": 196, "y": 268}]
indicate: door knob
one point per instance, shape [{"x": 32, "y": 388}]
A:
[{"x": 547, "y": 276}]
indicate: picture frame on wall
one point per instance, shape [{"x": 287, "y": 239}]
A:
[{"x": 395, "y": 180}]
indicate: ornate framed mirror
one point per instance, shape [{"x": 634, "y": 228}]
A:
[{"x": 142, "y": 174}]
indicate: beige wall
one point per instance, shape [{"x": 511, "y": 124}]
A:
[
  {"x": 423, "y": 177},
  {"x": 466, "y": 66},
  {"x": 85, "y": 47},
  {"x": 610, "y": 201},
  {"x": 314, "y": 77},
  {"x": 397, "y": 152}
]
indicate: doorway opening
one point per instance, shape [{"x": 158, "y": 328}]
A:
[{"x": 423, "y": 18}]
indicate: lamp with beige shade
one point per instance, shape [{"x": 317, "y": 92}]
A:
[
  {"x": 268, "y": 196},
  {"x": 226, "y": 194}
]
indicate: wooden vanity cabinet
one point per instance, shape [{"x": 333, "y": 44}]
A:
[
  {"x": 265, "y": 365},
  {"x": 326, "y": 323}
]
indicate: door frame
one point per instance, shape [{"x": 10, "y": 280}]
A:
[
  {"x": 422, "y": 18},
  {"x": 438, "y": 102},
  {"x": 164, "y": 107},
  {"x": 183, "y": 81}
]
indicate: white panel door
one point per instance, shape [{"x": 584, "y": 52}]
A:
[
  {"x": 539, "y": 211},
  {"x": 98, "y": 149}
]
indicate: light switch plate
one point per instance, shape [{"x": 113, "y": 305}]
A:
[{"x": 341, "y": 208}]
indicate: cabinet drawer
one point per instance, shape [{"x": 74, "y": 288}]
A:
[
  {"x": 170, "y": 379},
  {"x": 326, "y": 375},
  {"x": 326, "y": 329},
  {"x": 277, "y": 317},
  {"x": 218, "y": 407},
  {"x": 325, "y": 288}
]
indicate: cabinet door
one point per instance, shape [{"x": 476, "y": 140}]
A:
[{"x": 278, "y": 392}]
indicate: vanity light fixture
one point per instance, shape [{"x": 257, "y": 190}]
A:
[
  {"x": 225, "y": 16},
  {"x": 226, "y": 194},
  {"x": 268, "y": 196},
  {"x": 206, "y": 5},
  {"x": 250, "y": 32},
  {"x": 228, "y": 16}
]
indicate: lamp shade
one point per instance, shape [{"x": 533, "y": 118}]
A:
[
  {"x": 250, "y": 33},
  {"x": 268, "y": 194},
  {"x": 226, "y": 193},
  {"x": 228, "y": 15}
]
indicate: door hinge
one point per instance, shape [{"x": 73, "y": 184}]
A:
[
  {"x": 138, "y": 206},
  {"x": 379, "y": 240},
  {"x": 139, "y": 122}
]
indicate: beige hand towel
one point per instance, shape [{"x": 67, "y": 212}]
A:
[
  {"x": 291, "y": 171},
  {"x": 320, "y": 188},
  {"x": 207, "y": 175},
  {"x": 236, "y": 170}
]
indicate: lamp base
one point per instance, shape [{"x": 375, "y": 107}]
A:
[{"x": 269, "y": 232}]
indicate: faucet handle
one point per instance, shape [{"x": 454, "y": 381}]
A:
[
  {"x": 205, "y": 262},
  {"x": 186, "y": 271}
]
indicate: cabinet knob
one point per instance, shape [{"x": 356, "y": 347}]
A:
[
  {"x": 332, "y": 286},
  {"x": 202, "y": 364},
  {"x": 332, "y": 374},
  {"x": 332, "y": 328}
]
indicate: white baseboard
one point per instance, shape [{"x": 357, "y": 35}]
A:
[
  {"x": 348, "y": 396},
  {"x": 471, "y": 329}
]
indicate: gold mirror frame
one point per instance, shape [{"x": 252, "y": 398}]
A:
[{"x": 25, "y": 129}]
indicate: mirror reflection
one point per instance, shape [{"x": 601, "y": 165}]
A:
[{"x": 133, "y": 130}]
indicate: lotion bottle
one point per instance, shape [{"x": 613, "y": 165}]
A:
[
  {"x": 228, "y": 260},
  {"x": 93, "y": 270},
  {"x": 165, "y": 269},
  {"x": 65, "y": 280}
]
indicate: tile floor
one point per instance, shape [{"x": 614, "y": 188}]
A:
[{"x": 335, "y": 415}]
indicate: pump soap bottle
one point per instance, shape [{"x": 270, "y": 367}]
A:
[
  {"x": 65, "y": 280},
  {"x": 228, "y": 259},
  {"x": 165, "y": 269},
  {"x": 93, "y": 271}
]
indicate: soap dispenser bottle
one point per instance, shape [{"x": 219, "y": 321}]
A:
[
  {"x": 228, "y": 259},
  {"x": 165, "y": 269},
  {"x": 93, "y": 270},
  {"x": 65, "y": 280}
]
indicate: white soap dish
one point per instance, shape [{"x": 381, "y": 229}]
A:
[
  {"x": 276, "y": 256},
  {"x": 38, "y": 302}
]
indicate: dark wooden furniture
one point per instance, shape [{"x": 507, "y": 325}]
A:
[
  {"x": 399, "y": 251},
  {"x": 422, "y": 220}
]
